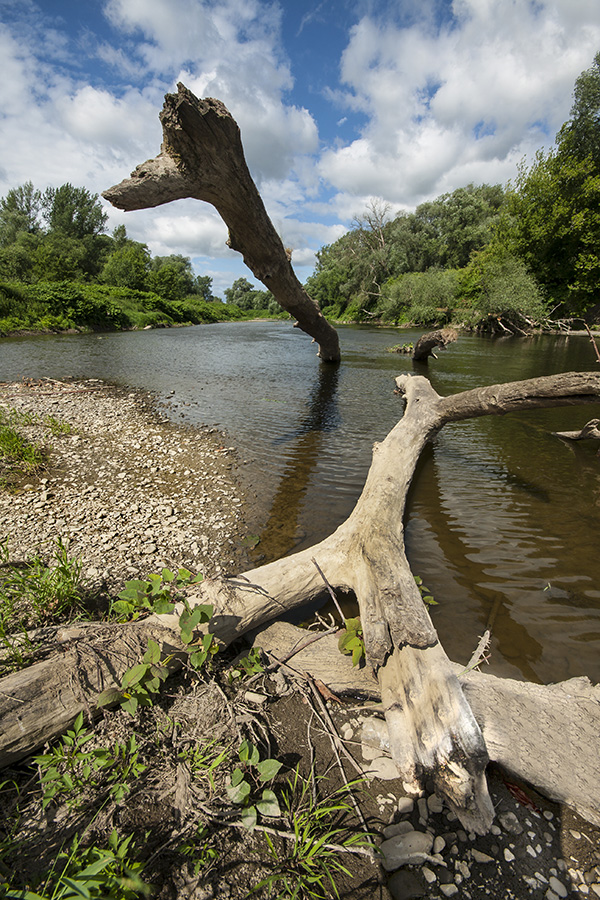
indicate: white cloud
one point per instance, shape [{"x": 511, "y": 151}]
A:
[{"x": 468, "y": 100}]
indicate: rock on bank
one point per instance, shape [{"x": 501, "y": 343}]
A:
[{"x": 127, "y": 492}]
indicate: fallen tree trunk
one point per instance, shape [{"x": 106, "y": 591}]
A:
[
  {"x": 546, "y": 735},
  {"x": 433, "y": 732},
  {"x": 202, "y": 157}
]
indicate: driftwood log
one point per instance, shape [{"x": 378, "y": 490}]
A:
[
  {"x": 433, "y": 731},
  {"x": 202, "y": 157},
  {"x": 590, "y": 431},
  {"x": 431, "y": 341},
  {"x": 546, "y": 735}
]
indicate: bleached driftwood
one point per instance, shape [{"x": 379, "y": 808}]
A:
[
  {"x": 433, "y": 731},
  {"x": 427, "y": 343},
  {"x": 546, "y": 735},
  {"x": 202, "y": 157}
]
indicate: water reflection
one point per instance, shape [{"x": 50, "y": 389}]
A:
[
  {"x": 301, "y": 448},
  {"x": 503, "y": 518}
]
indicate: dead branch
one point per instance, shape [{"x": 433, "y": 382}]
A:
[{"x": 201, "y": 156}]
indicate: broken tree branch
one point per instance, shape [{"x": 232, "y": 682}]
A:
[
  {"x": 201, "y": 156},
  {"x": 433, "y": 732}
]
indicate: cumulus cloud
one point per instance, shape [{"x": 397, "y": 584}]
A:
[{"x": 465, "y": 98}]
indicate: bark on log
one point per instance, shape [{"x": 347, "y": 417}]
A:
[
  {"x": 427, "y": 343},
  {"x": 202, "y": 157},
  {"x": 433, "y": 730}
]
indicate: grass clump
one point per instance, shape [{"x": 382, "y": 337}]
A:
[{"x": 33, "y": 594}]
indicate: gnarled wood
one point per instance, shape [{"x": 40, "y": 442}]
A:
[
  {"x": 427, "y": 343},
  {"x": 590, "y": 431},
  {"x": 546, "y": 735},
  {"x": 433, "y": 732},
  {"x": 202, "y": 157}
]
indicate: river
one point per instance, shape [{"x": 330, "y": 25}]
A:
[{"x": 503, "y": 518}]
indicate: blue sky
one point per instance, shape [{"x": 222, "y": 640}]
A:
[{"x": 339, "y": 103}]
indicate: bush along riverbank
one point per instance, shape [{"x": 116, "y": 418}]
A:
[
  {"x": 67, "y": 306},
  {"x": 230, "y": 778}
]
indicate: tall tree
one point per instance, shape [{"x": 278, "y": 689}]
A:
[
  {"x": 73, "y": 211},
  {"x": 554, "y": 207},
  {"x": 19, "y": 213}
]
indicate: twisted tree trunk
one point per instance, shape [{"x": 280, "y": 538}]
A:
[
  {"x": 202, "y": 156},
  {"x": 433, "y": 732}
]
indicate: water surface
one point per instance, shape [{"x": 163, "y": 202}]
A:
[{"x": 503, "y": 518}]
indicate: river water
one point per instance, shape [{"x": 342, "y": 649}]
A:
[{"x": 503, "y": 518}]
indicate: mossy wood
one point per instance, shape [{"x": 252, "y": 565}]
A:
[
  {"x": 433, "y": 731},
  {"x": 202, "y": 157}
]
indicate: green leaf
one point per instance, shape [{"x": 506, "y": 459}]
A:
[
  {"x": 249, "y": 817},
  {"x": 268, "y": 769},
  {"x": 198, "y": 658},
  {"x": 163, "y": 606},
  {"x": 152, "y": 654},
  {"x": 110, "y": 695},
  {"x": 168, "y": 576},
  {"x": 248, "y": 753},
  {"x": 135, "y": 590},
  {"x": 269, "y": 805},
  {"x": 238, "y": 793},
  {"x": 130, "y": 705},
  {"x": 134, "y": 675}
]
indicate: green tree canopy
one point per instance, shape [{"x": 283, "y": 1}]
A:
[{"x": 73, "y": 211}]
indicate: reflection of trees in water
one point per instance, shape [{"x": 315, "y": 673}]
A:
[{"x": 279, "y": 534}]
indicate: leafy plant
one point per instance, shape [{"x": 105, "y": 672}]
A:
[
  {"x": 158, "y": 594},
  {"x": 34, "y": 594},
  {"x": 94, "y": 873},
  {"x": 245, "y": 778},
  {"x": 204, "y": 647},
  {"x": 248, "y": 665},
  {"x": 311, "y": 857},
  {"x": 139, "y": 682},
  {"x": 351, "y": 641},
  {"x": 426, "y": 596},
  {"x": 71, "y": 766},
  {"x": 198, "y": 846},
  {"x": 56, "y": 426},
  {"x": 204, "y": 759}
]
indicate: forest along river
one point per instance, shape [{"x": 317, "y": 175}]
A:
[{"x": 503, "y": 518}]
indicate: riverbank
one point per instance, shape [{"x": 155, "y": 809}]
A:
[
  {"x": 127, "y": 492},
  {"x": 131, "y": 493}
]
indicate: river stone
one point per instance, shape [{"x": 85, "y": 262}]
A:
[
  {"x": 383, "y": 768},
  {"x": 399, "y": 828},
  {"x": 375, "y": 734},
  {"x": 406, "y": 885},
  {"x": 558, "y": 887},
  {"x": 405, "y": 805},
  {"x": 406, "y": 849},
  {"x": 435, "y": 804},
  {"x": 510, "y": 823}
]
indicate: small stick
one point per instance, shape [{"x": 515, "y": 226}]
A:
[
  {"x": 479, "y": 655},
  {"x": 330, "y": 589},
  {"x": 595, "y": 345}
]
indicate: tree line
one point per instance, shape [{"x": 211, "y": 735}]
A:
[
  {"x": 482, "y": 256},
  {"x": 60, "y": 270}
]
